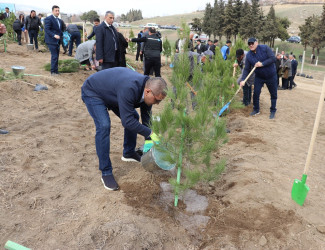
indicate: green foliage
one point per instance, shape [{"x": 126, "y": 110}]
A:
[
  {"x": 245, "y": 20},
  {"x": 218, "y": 20},
  {"x": 167, "y": 49},
  {"x": 132, "y": 46},
  {"x": 204, "y": 133},
  {"x": 197, "y": 25},
  {"x": 206, "y": 22},
  {"x": 9, "y": 76},
  {"x": 230, "y": 24},
  {"x": 312, "y": 32},
  {"x": 65, "y": 66},
  {"x": 132, "y": 15},
  {"x": 89, "y": 16},
  {"x": 11, "y": 34}
]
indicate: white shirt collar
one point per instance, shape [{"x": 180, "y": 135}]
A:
[{"x": 108, "y": 25}]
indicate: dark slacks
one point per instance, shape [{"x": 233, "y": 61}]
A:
[
  {"x": 155, "y": 63},
  {"x": 55, "y": 50},
  {"x": 99, "y": 112},
  {"x": 18, "y": 36},
  {"x": 75, "y": 37},
  {"x": 138, "y": 53},
  {"x": 271, "y": 84},
  {"x": 247, "y": 94},
  {"x": 33, "y": 37}
]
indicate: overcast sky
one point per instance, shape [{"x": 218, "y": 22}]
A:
[{"x": 149, "y": 8}]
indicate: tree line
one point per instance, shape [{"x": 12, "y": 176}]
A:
[
  {"x": 312, "y": 32},
  {"x": 235, "y": 17},
  {"x": 132, "y": 15}
]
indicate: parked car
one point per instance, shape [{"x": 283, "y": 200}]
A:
[
  {"x": 153, "y": 25},
  {"x": 203, "y": 37},
  {"x": 294, "y": 39}
]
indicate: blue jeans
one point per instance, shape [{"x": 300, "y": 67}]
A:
[
  {"x": 33, "y": 37},
  {"x": 55, "y": 50},
  {"x": 271, "y": 84},
  {"x": 75, "y": 36},
  {"x": 99, "y": 112}
]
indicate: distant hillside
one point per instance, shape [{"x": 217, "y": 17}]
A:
[
  {"x": 275, "y": 2},
  {"x": 296, "y": 13}
]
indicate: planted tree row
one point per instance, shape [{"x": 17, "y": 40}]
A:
[
  {"x": 244, "y": 18},
  {"x": 312, "y": 32}
]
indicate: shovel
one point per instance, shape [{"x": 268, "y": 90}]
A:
[
  {"x": 224, "y": 108},
  {"x": 300, "y": 189}
]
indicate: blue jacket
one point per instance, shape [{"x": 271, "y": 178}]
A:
[
  {"x": 265, "y": 55},
  {"x": 294, "y": 65},
  {"x": 52, "y": 28},
  {"x": 105, "y": 44},
  {"x": 224, "y": 51},
  {"x": 121, "y": 89}
]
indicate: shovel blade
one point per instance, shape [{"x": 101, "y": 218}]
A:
[
  {"x": 224, "y": 108},
  {"x": 299, "y": 190}
]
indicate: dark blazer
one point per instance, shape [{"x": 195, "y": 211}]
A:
[
  {"x": 52, "y": 28},
  {"x": 105, "y": 44},
  {"x": 201, "y": 49},
  {"x": 294, "y": 65},
  {"x": 213, "y": 48},
  {"x": 93, "y": 33},
  {"x": 121, "y": 89}
]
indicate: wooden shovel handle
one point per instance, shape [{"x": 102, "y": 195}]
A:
[{"x": 316, "y": 124}]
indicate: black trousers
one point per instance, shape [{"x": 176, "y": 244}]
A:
[
  {"x": 138, "y": 53},
  {"x": 247, "y": 94},
  {"x": 18, "y": 36},
  {"x": 155, "y": 63}
]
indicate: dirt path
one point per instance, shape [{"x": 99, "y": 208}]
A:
[{"x": 51, "y": 196}]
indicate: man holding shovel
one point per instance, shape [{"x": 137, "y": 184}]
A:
[
  {"x": 262, "y": 57},
  {"x": 121, "y": 90}
]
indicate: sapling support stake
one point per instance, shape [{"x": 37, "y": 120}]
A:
[
  {"x": 130, "y": 66},
  {"x": 179, "y": 164}
]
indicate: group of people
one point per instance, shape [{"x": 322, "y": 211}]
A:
[
  {"x": 121, "y": 90},
  {"x": 286, "y": 66}
]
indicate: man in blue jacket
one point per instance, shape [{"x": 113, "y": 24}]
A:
[
  {"x": 108, "y": 48},
  {"x": 225, "y": 50},
  {"x": 261, "y": 57},
  {"x": 120, "y": 90},
  {"x": 53, "y": 27}
]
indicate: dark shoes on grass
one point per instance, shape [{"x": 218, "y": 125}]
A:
[{"x": 110, "y": 183}]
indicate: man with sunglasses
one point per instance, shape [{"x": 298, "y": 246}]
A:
[
  {"x": 121, "y": 90},
  {"x": 261, "y": 57}
]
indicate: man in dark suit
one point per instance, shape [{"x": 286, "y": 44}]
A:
[
  {"x": 6, "y": 14},
  {"x": 121, "y": 90},
  {"x": 199, "y": 47},
  {"x": 53, "y": 31},
  {"x": 96, "y": 24},
  {"x": 107, "y": 51},
  {"x": 294, "y": 65}
]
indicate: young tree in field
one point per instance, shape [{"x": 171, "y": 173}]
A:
[
  {"x": 132, "y": 46},
  {"x": 269, "y": 31},
  {"x": 218, "y": 18},
  {"x": 283, "y": 24},
  {"x": 89, "y": 16},
  {"x": 321, "y": 27},
  {"x": 316, "y": 41},
  {"x": 306, "y": 31},
  {"x": 256, "y": 19},
  {"x": 238, "y": 7},
  {"x": 229, "y": 20},
  {"x": 207, "y": 23},
  {"x": 197, "y": 25},
  {"x": 245, "y": 20},
  {"x": 167, "y": 49}
]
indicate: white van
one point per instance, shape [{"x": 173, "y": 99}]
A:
[{"x": 153, "y": 25}]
